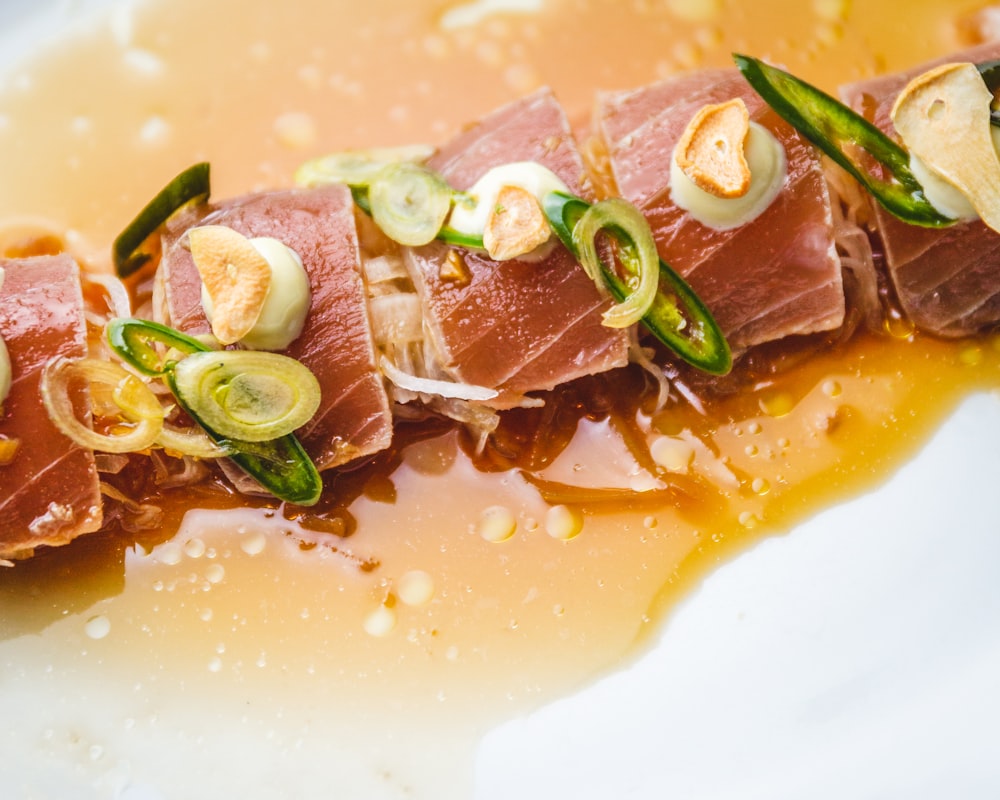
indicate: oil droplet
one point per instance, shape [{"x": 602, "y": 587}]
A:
[
  {"x": 777, "y": 404},
  {"x": 751, "y": 450},
  {"x": 674, "y": 455},
  {"x": 215, "y": 665},
  {"x": 831, "y": 10},
  {"x": 832, "y": 388},
  {"x": 970, "y": 356},
  {"x": 194, "y": 548},
  {"x": 295, "y": 130},
  {"x": 649, "y": 523},
  {"x": 695, "y": 10},
  {"x": 563, "y": 523},
  {"x": 215, "y": 573},
  {"x": 748, "y": 519},
  {"x": 97, "y": 627},
  {"x": 253, "y": 544},
  {"x": 898, "y": 326},
  {"x": 170, "y": 553},
  {"x": 760, "y": 486},
  {"x": 497, "y": 524},
  {"x": 415, "y": 588},
  {"x": 380, "y": 622}
]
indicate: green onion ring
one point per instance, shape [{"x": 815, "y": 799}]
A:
[
  {"x": 409, "y": 203},
  {"x": 136, "y": 401},
  {"x": 247, "y": 395},
  {"x": 356, "y": 168}
]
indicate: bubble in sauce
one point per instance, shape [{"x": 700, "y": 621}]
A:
[
  {"x": 253, "y": 543},
  {"x": 777, "y": 404},
  {"x": 194, "y": 548},
  {"x": 170, "y": 553},
  {"x": 415, "y": 588},
  {"x": 295, "y": 130},
  {"x": 563, "y": 523},
  {"x": 97, "y": 627},
  {"x": 673, "y": 454},
  {"x": 215, "y": 573},
  {"x": 380, "y": 622},
  {"x": 497, "y": 524}
]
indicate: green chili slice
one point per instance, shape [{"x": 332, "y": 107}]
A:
[
  {"x": 677, "y": 316},
  {"x": 132, "y": 340},
  {"x": 832, "y": 126},
  {"x": 280, "y": 465},
  {"x": 191, "y": 185}
]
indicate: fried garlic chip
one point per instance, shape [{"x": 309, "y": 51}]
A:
[{"x": 235, "y": 276}]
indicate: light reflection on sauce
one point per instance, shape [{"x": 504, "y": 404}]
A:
[{"x": 235, "y": 618}]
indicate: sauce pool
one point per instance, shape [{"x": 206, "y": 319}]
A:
[{"x": 465, "y": 594}]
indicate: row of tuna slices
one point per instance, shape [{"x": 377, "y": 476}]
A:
[
  {"x": 516, "y": 326},
  {"x": 49, "y": 492},
  {"x": 947, "y": 280}
]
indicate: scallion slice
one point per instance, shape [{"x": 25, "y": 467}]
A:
[
  {"x": 280, "y": 465},
  {"x": 193, "y": 184},
  {"x": 677, "y": 316},
  {"x": 132, "y": 398},
  {"x": 834, "y": 128},
  {"x": 409, "y": 203},
  {"x": 249, "y": 395}
]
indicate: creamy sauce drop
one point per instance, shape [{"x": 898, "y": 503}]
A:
[{"x": 460, "y": 597}]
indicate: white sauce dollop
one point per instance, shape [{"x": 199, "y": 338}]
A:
[
  {"x": 288, "y": 298},
  {"x": 768, "y": 168},
  {"x": 471, "y": 219}
]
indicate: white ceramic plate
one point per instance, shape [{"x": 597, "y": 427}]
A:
[{"x": 857, "y": 657}]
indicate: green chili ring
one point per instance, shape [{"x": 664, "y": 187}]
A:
[
  {"x": 678, "y": 318},
  {"x": 192, "y": 185}
]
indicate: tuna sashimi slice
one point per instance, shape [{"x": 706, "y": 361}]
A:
[
  {"x": 518, "y": 325},
  {"x": 354, "y": 419},
  {"x": 947, "y": 280},
  {"x": 49, "y": 492},
  {"x": 776, "y": 276}
]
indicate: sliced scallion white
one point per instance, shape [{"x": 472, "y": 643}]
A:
[
  {"x": 136, "y": 401},
  {"x": 357, "y": 167},
  {"x": 247, "y": 395},
  {"x": 409, "y": 203}
]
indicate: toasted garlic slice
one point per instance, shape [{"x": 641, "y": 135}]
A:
[
  {"x": 711, "y": 151},
  {"x": 515, "y": 225},
  {"x": 943, "y": 117},
  {"x": 236, "y": 277}
]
